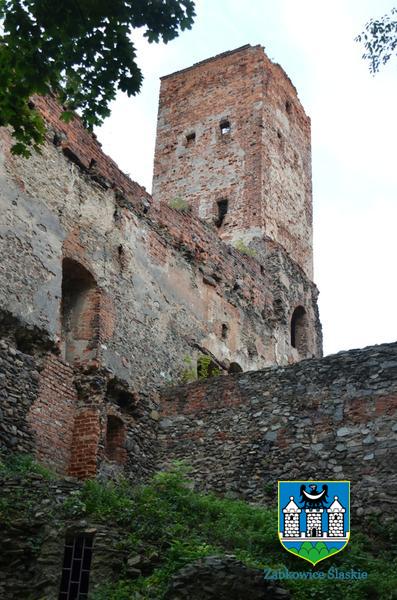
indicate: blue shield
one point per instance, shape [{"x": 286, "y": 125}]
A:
[{"x": 314, "y": 518}]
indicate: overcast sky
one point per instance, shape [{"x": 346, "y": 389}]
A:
[{"x": 354, "y": 135}]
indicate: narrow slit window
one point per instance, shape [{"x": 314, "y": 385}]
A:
[
  {"x": 76, "y": 567},
  {"x": 225, "y": 331},
  {"x": 225, "y": 127},
  {"x": 223, "y": 206}
]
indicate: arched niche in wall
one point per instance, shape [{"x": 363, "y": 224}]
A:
[
  {"x": 234, "y": 368},
  {"x": 115, "y": 439},
  {"x": 299, "y": 330},
  {"x": 79, "y": 311}
]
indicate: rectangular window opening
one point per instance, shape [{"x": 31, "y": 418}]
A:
[
  {"x": 76, "y": 567},
  {"x": 225, "y": 127},
  {"x": 223, "y": 206},
  {"x": 190, "y": 138}
]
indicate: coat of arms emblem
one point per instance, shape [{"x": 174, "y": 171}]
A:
[{"x": 314, "y": 518}]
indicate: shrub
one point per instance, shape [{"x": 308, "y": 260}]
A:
[
  {"x": 244, "y": 249},
  {"x": 180, "y": 204}
]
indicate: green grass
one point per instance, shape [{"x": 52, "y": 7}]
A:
[
  {"x": 170, "y": 525},
  {"x": 22, "y": 465},
  {"x": 180, "y": 204},
  {"x": 178, "y": 525}
]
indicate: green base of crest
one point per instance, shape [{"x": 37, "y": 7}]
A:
[{"x": 314, "y": 553}]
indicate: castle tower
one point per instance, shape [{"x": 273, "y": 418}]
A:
[
  {"x": 314, "y": 522},
  {"x": 233, "y": 141},
  {"x": 336, "y": 519},
  {"x": 291, "y": 519}
]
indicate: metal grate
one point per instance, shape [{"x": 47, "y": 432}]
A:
[{"x": 76, "y": 567}]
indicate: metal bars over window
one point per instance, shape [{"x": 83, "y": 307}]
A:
[{"x": 76, "y": 567}]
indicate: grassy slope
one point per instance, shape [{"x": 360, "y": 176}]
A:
[{"x": 171, "y": 526}]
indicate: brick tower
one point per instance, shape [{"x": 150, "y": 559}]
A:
[{"x": 233, "y": 141}]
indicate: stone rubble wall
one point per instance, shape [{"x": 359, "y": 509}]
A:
[
  {"x": 19, "y": 383},
  {"x": 330, "y": 418},
  {"x": 33, "y": 544}
]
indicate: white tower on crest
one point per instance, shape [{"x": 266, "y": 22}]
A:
[
  {"x": 335, "y": 518},
  {"x": 291, "y": 519}
]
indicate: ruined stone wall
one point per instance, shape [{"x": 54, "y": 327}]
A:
[
  {"x": 164, "y": 284},
  {"x": 333, "y": 418},
  {"x": 232, "y": 128},
  {"x": 33, "y": 541},
  {"x": 104, "y": 290}
]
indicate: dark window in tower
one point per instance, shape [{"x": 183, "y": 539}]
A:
[
  {"x": 288, "y": 107},
  {"x": 223, "y": 206},
  {"x": 190, "y": 138},
  {"x": 225, "y": 127},
  {"x": 76, "y": 567},
  {"x": 298, "y": 329},
  {"x": 225, "y": 331}
]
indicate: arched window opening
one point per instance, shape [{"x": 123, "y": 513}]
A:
[
  {"x": 235, "y": 368},
  {"x": 115, "y": 438},
  {"x": 298, "y": 329},
  {"x": 121, "y": 397},
  {"x": 79, "y": 311},
  {"x": 225, "y": 331},
  {"x": 223, "y": 206}
]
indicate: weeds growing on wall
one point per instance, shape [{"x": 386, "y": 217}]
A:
[
  {"x": 180, "y": 204},
  {"x": 205, "y": 368},
  {"x": 244, "y": 249},
  {"x": 189, "y": 372},
  {"x": 169, "y": 525}
]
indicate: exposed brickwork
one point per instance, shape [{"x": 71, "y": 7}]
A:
[
  {"x": 52, "y": 414},
  {"x": 251, "y": 147},
  {"x": 86, "y": 433},
  {"x": 333, "y": 418}
]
